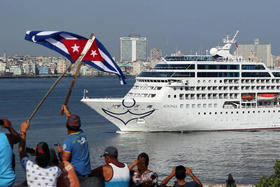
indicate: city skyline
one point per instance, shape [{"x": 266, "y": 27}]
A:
[{"x": 189, "y": 26}]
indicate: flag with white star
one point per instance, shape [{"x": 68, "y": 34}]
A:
[{"x": 71, "y": 46}]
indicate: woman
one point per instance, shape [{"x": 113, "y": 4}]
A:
[
  {"x": 142, "y": 176},
  {"x": 38, "y": 173}
]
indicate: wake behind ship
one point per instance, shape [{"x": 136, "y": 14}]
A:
[{"x": 212, "y": 92}]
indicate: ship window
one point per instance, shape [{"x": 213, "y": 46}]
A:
[
  {"x": 167, "y": 74},
  {"x": 204, "y": 105},
  {"x": 276, "y": 74},
  {"x": 253, "y": 67},
  {"x": 168, "y": 96},
  {"x": 255, "y": 74},
  {"x": 187, "y": 105},
  {"x": 199, "y": 106},
  {"x": 174, "y": 96},
  {"x": 218, "y": 74},
  {"x": 193, "y": 105},
  {"x": 215, "y": 105},
  {"x": 174, "y": 66},
  {"x": 181, "y": 105},
  {"x": 218, "y": 66}
]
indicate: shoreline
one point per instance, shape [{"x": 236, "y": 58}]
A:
[{"x": 47, "y": 76}]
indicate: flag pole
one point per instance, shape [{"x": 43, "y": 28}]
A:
[
  {"x": 49, "y": 91},
  {"x": 79, "y": 61}
]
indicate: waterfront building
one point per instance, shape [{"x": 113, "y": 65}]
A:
[
  {"x": 34, "y": 68},
  {"x": 256, "y": 52},
  {"x": 133, "y": 48},
  {"x": 16, "y": 70},
  {"x": 53, "y": 68},
  {"x": 44, "y": 70},
  {"x": 61, "y": 65}
]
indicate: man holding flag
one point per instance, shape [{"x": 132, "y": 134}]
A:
[{"x": 77, "y": 49}]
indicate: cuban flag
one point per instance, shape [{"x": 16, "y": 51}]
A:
[{"x": 71, "y": 46}]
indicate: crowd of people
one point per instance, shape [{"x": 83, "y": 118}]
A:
[{"x": 69, "y": 166}]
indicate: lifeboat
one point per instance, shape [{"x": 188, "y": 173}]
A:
[
  {"x": 248, "y": 97},
  {"x": 266, "y": 96}
]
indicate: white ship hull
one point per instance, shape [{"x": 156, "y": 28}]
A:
[{"x": 170, "y": 117}]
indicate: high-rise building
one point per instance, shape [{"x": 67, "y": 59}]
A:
[
  {"x": 256, "y": 52},
  {"x": 133, "y": 48}
]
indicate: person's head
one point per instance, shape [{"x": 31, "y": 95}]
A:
[
  {"x": 143, "y": 161},
  {"x": 53, "y": 158},
  {"x": 180, "y": 172},
  {"x": 42, "y": 154},
  {"x": 110, "y": 153},
  {"x": 230, "y": 179},
  {"x": 73, "y": 123}
]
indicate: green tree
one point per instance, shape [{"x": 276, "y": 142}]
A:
[{"x": 272, "y": 180}]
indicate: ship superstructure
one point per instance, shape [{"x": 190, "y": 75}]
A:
[{"x": 198, "y": 93}]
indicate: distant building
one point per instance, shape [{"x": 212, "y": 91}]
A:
[
  {"x": 34, "y": 69},
  {"x": 256, "y": 52},
  {"x": 61, "y": 65},
  {"x": 2, "y": 68},
  {"x": 16, "y": 70},
  {"x": 44, "y": 70},
  {"x": 133, "y": 48},
  {"x": 155, "y": 54}
]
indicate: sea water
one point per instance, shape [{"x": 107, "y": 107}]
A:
[{"x": 210, "y": 155}]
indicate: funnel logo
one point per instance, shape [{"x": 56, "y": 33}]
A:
[{"x": 127, "y": 116}]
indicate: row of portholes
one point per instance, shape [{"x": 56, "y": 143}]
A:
[
  {"x": 237, "y": 112},
  {"x": 236, "y": 81},
  {"x": 209, "y": 105}
]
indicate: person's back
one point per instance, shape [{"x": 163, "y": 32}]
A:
[
  {"x": 39, "y": 176},
  {"x": 77, "y": 144},
  {"x": 7, "y": 174},
  {"x": 120, "y": 178}
]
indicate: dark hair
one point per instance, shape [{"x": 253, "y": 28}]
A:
[
  {"x": 145, "y": 156},
  {"x": 42, "y": 154},
  {"x": 76, "y": 129},
  {"x": 73, "y": 122},
  {"x": 53, "y": 157},
  {"x": 180, "y": 172}
]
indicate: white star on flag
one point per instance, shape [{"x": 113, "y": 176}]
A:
[
  {"x": 75, "y": 48},
  {"x": 93, "y": 53}
]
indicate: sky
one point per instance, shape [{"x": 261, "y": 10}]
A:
[{"x": 187, "y": 25}]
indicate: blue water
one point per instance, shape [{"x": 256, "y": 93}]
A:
[{"x": 211, "y": 155}]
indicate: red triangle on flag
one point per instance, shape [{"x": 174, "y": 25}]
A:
[
  {"x": 93, "y": 53},
  {"x": 74, "y": 47}
]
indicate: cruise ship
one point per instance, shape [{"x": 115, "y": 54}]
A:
[{"x": 215, "y": 92}]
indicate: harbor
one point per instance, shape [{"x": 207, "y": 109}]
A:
[{"x": 246, "y": 155}]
